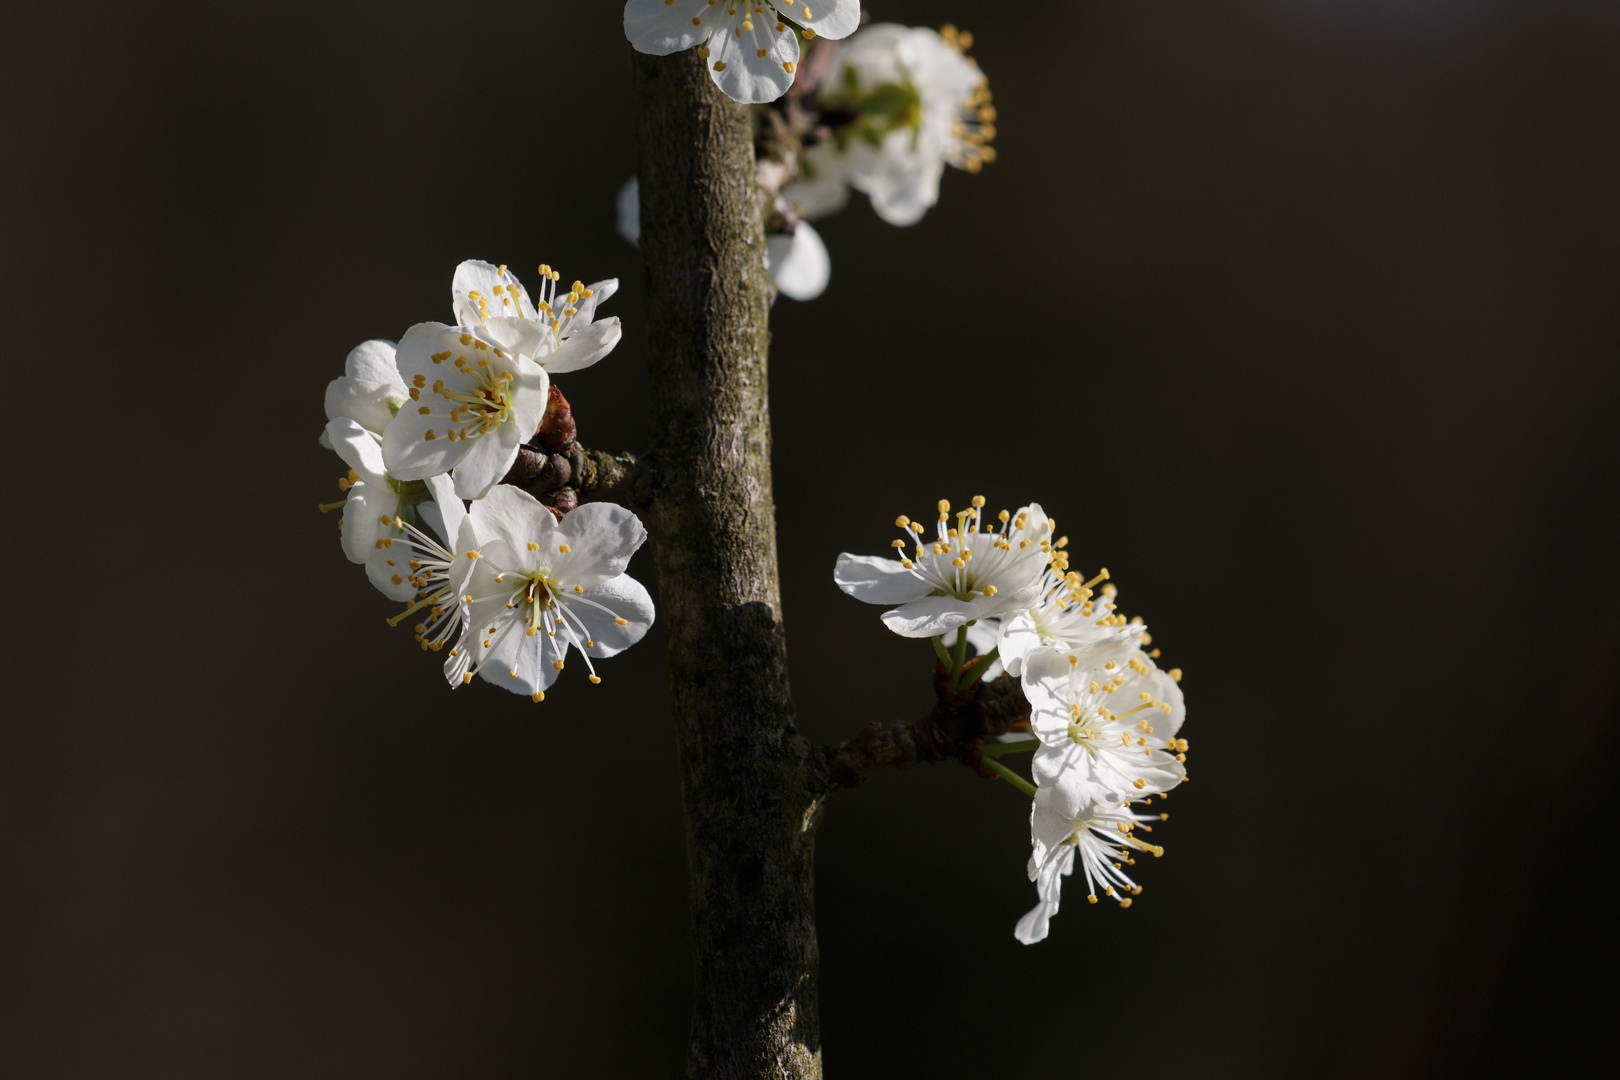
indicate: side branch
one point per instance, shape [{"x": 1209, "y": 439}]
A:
[
  {"x": 954, "y": 729},
  {"x": 560, "y": 477}
]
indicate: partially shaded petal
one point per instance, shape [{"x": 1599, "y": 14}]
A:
[
  {"x": 600, "y": 537},
  {"x": 583, "y": 347},
  {"x": 627, "y": 599},
  {"x": 387, "y": 570},
  {"x": 515, "y": 517},
  {"x": 501, "y": 293},
  {"x": 878, "y": 580},
  {"x": 659, "y": 28},
  {"x": 358, "y": 448},
  {"x": 489, "y": 458},
  {"x": 373, "y": 361},
  {"x": 409, "y": 452},
  {"x": 799, "y": 265}
]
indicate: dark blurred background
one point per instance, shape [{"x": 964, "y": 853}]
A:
[{"x": 1300, "y": 317}]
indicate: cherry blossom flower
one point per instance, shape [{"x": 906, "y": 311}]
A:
[
  {"x": 539, "y": 588},
  {"x": 476, "y": 394},
  {"x": 1108, "y": 731},
  {"x": 921, "y": 103},
  {"x": 560, "y": 326},
  {"x": 1104, "y": 840},
  {"x": 751, "y": 46},
  {"x": 965, "y": 572},
  {"x": 377, "y": 507}
]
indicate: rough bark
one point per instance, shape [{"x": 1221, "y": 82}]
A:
[{"x": 746, "y": 773}]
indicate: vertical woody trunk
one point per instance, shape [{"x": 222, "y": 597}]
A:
[{"x": 750, "y": 819}]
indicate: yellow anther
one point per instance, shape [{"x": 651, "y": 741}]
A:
[
  {"x": 564, "y": 548},
  {"x": 978, "y": 501},
  {"x": 595, "y": 678},
  {"x": 466, "y": 677},
  {"x": 621, "y": 622},
  {"x": 558, "y": 664},
  {"x": 902, "y": 521},
  {"x": 472, "y": 554},
  {"x": 429, "y": 437},
  {"x": 1175, "y": 673},
  {"x": 533, "y": 546},
  {"x": 944, "y": 506},
  {"x": 540, "y": 695},
  {"x": 989, "y": 590}
]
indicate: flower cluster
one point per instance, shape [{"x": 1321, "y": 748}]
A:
[
  {"x": 1104, "y": 719},
  {"x": 510, "y": 584}
]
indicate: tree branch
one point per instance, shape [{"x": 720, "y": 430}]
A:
[{"x": 954, "y": 729}]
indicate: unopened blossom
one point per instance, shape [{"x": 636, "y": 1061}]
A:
[
  {"x": 797, "y": 262},
  {"x": 751, "y": 47},
  {"x": 539, "y": 588},
  {"x": 476, "y": 394},
  {"x": 920, "y": 102},
  {"x": 369, "y": 391},
  {"x": 964, "y": 572},
  {"x": 377, "y": 507},
  {"x": 1104, "y": 841},
  {"x": 560, "y": 328},
  {"x": 1108, "y": 730}
]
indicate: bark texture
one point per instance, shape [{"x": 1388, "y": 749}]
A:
[{"x": 747, "y": 774}]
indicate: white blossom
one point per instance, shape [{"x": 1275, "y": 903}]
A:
[
  {"x": 751, "y": 46},
  {"x": 921, "y": 103},
  {"x": 1103, "y": 839},
  {"x": 476, "y": 395},
  {"x": 377, "y": 507},
  {"x": 538, "y": 588},
  {"x": 562, "y": 325},
  {"x": 797, "y": 262},
  {"x": 965, "y": 572},
  {"x": 1107, "y": 732},
  {"x": 369, "y": 391}
]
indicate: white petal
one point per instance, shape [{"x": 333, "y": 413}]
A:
[
  {"x": 358, "y": 448},
  {"x": 448, "y": 507},
  {"x": 584, "y": 347},
  {"x": 652, "y": 26},
  {"x": 1019, "y": 637},
  {"x": 367, "y": 403},
  {"x": 363, "y": 512},
  {"x": 601, "y": 538},
  {"x": 1036, "y": 923},
  {"x": 934, "y": 615},
  {"x": 531, "y": 657},
  {"x": 748, "y": 77},
  {"x": 416, "y": 349},
  {"x": 829, "y": 18},
  {"x": 373, "y": 361},
  {"x": 628, "y": 209},
  {"x": 411, "y": 455},
  {"x": 387, "y": 570},
  {"x": 502, "y": 293},
  {"x": 627, "y": 598},
  {"x": 487, "y": 460},
  {"x": 512, "y": 515},
  {"x": 878, "y": 580},
  {"x": 799, "y": 264}
]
